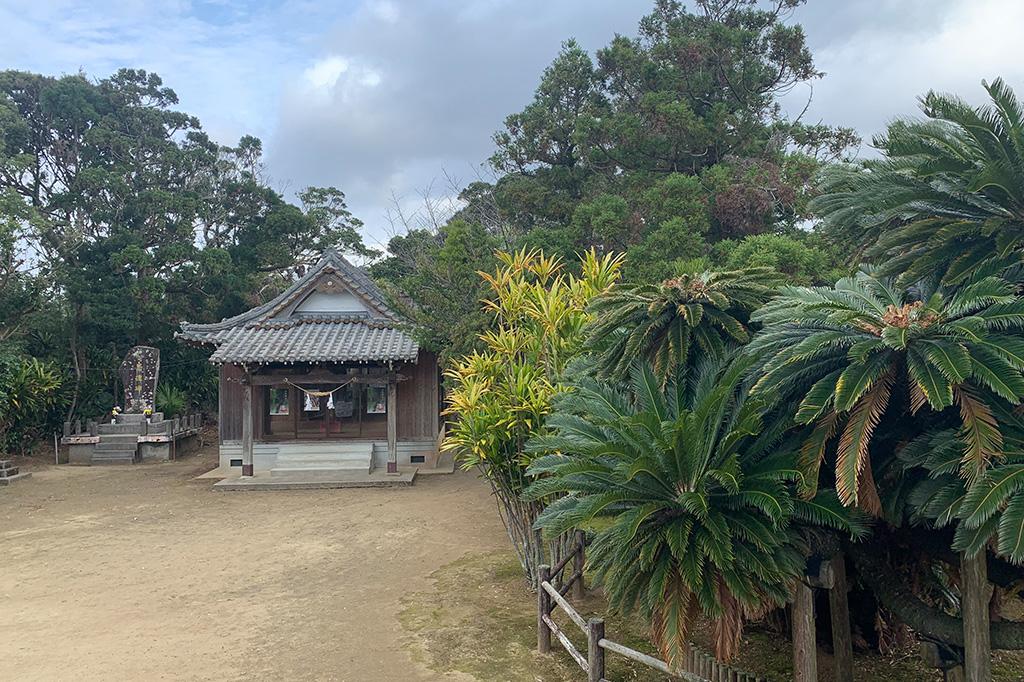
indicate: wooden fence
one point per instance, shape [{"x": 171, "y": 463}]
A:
[{"x": 698, "y": 666}]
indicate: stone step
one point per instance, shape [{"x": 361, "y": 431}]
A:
[
  {"x": 338, "y": 448},
  {"x": 132, "y": 438},
  {"x": 325, "y": 457},
  {"x": 326, "y": 462},
  {"x": 7, "y": 480},
  {"x": 8, "y": 472},
  {"x": 107, "y": 429},
  {"x": 319, "y": 470},
  {"x": 6, "y": 463},
  {"x": 128, "y": 458},
  {"x": 114, "y": 447}
]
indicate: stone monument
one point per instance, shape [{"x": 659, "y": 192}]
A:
[{"x": 139, "y": 373}]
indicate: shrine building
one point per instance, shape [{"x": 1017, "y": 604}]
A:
[{"x": 325, "y": 378}]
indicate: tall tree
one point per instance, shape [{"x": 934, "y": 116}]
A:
[
  {"x": 694, "y": 95},
  {"x": 138, "y": 219}
]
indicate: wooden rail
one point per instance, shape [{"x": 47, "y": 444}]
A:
[{"x": 699, "y": 666}]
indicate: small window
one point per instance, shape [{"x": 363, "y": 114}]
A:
[
  {"x": 278, "y": 402},
  {"x": 376, "y": 399},
  {"x": 418, "y": 459},
  {"x": 236, "y": 462}
]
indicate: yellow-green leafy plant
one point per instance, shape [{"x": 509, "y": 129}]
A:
[{"x": 500, "y": 397}]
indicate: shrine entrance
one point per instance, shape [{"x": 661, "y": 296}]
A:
[{"x": 325, "y": 411}]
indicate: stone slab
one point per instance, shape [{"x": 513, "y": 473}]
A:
[{"x": 11, "y": 479}]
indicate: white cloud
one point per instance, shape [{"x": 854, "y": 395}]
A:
[
  {"x": 385, "y": 10},
  {"x": 381, "y": 97},
  {"x": 878, "y": 68},
  {"x": 326, "y": 72}
]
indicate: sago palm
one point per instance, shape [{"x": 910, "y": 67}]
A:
[
  {"x": 660, "y": 323},
  {"x": 846, "y": 351},
  {"x": 947, "y": 197},
  {"x": 992, "y": 506},
  {"x": 690, "y": 497}
]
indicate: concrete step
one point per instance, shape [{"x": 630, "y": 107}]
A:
[
  {"x": 319, "y": 471},
  {"x": 107, "y": 429},
  {"x": 328, "y": 448},
  {"x": 323, "y": 464},
  {"x": 103, "y": 459},
  {"x": 6, "y": 463},
  {"x": 132, "y": 438},
  {"x": 8, "y": 472},
  {"x": 7, "y": 480},
  {"x": 325, "y": 457},
  {"x": 114, "y": 448}
]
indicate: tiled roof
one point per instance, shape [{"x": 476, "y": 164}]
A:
[
  {"x": 323, "y": 341},
  {"x": 263, "y": 335}
]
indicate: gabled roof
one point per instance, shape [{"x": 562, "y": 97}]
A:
[{"x": 272, "y": 332}]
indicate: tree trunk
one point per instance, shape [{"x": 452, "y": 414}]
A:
[
  {"x": 974, "y": 599},
  {"x": 926, "y": 620},
  {"x": 805, "y": 650},
  {"x": 839, "y": 607},
  {"x": 518, "y": 518}
]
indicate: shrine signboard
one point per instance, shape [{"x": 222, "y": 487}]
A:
[{"x": 139, "y": 373}]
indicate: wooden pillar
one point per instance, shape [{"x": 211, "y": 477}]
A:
[
  {"x": 974, "y": 601},
  {"x": 839, "y": 606},
  {"x": 595, "y": 654},
  {"x": 247, "y": 469},
  {"x": 805, "y": 652},
  {"x": 543, "y": 609},
  {"x": 392, "y": 426},
  {"x": 578, "y": 561}
]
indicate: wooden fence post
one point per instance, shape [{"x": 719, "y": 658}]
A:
[
  {"x": 578, "y": 563},
  {"x": 543, "y": 609},
  {"x": 805, "y": 651},
  {"x": 595, "y": 654},
  {"x": 842, "y": 641},
  {"x": 974, "y": 606}
]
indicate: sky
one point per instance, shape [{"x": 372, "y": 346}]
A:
[{"x": 390, "y": 100}]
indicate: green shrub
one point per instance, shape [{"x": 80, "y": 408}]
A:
[
  {"x": 173, "y": 402},
  {"x": 29, "y": 395}
]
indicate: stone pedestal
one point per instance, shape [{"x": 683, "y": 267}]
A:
[{"x": 9, "y": 473}]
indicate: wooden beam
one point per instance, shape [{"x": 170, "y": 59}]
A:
[
  {"x": 392, "y": 426},
  {"x": 839, "y": 607},
  {"x": 247, "y": 468},
  {"x": 974, "y": 604},
  {"x": 805, "y": 651},
  {"x": 324, "y": 378}
]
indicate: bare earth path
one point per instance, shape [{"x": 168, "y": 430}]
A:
[{"x": 143, "y": 573}]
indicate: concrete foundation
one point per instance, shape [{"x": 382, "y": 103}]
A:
[{"x": 317, "y": 481}]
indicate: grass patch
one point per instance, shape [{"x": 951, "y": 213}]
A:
[{"x": 479, "y": 618}]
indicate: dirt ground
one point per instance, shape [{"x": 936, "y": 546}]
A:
[{"x": 142, "y": 572}]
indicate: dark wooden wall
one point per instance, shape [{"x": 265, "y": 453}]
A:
[
  {"x": 230, "y": 406},
  {"x": 418, "y": 399}
]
